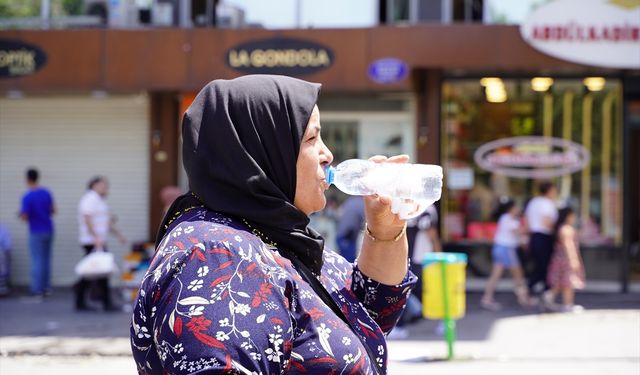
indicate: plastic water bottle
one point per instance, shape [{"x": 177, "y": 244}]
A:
[{"x": 412, "y": 187}]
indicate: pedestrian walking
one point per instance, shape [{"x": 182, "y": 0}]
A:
[
  {"x": 5, "y": 259},
  {"x": 37, "y": 210},
  {"x": 504, "y": 256},
  {"x": 422, "y": 238},
  {"x": 95, "y": 222},
  {"x": 541, "y": 214},
  {"x": 350, "y": 226},
  {"x": 566, "y": 270}
]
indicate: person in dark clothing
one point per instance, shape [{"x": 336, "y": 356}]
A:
[
  {"x": 541, "y": 214},
  {"x": 350, "y": 227},
  {"x": 37, "y": 210}
]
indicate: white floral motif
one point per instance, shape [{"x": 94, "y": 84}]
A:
[
  {"x": 270, "y": 305},
  {"x": 323, "y": 334},
  {"x": 256, "y": 356},
  {"x": 143, "y": 333},
  {"x": 196, "y": 310},
  {"x": 324, "y": 330},
  {"x": 178, "y": 349},
  {"x": 221, "y": 336},
  {"x": 177, "y": 232},
  {"x": 189, "y": 229},
  {"x": 203, "y": 271},
  {"x": 224, "y": 322},
  {"x": 246, "y": 345},
  {"x": 346, "y": 341},
  {"x": 273, "y": 355},
  {"x": 195, "y": 285},
  {"x": 242, "y": 309},
  {"x": 380, "y": 349},
  {"x": 348, "y": 358},
  {"x": 156, "y": 274},
  {"x": 238, "y": 238},
  {"x": 276, "y": 340},
  {"x": 305, "y": 294}
]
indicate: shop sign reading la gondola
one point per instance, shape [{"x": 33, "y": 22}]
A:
[
  {"x": 286, "y": 56},
  {"x": 532, "y": 157}
]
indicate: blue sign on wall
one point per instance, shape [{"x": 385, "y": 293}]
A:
[{"x": 388, "y": 70}]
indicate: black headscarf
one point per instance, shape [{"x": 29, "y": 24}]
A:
[{"x": 241, "y": 140}]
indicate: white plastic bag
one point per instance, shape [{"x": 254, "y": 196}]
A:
[{"x": 95, "y": 265}]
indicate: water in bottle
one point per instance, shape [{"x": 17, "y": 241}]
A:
[{"x": 413, "y": 187}]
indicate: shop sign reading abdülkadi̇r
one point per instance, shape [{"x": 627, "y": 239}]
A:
[
  {"x": 19, "y": 59},
  {"x": 603, "y": 33},
  {"x": 285, "y": 56}
]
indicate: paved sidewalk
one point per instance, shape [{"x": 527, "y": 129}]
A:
[{"x": 49, "y": 337}]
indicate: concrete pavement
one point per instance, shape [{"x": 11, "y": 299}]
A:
[{"x": 48, "y": 336}]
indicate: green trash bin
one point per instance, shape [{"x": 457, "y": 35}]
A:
[{"x": 443, "y": 291}]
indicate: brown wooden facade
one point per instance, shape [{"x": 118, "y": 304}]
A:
[{"x": 168, "y": 62}]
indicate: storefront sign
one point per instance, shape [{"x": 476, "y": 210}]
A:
[
  {"x": 19, "y": 59},
  {"x": 602, "y": 33},
  {"x": 532, "y": 157},
  {"x": 388, "y": 70},
  {"x": 286, "y": 56}
]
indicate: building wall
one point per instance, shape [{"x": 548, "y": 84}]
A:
[{"x": 70, "y": 139}]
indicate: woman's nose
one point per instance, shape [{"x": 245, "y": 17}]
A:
[{"x": 327, "y": 156}]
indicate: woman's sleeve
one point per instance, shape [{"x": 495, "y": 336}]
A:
[
  {"x": 385, "y": 303},
  {"x": 220, "y": 312}
]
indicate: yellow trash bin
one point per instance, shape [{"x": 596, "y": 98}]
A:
[{"x": 435, "y": 285}]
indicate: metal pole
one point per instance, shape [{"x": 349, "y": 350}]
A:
[
  {"x": 627, "y": 211},
  {"x": 45, "y": 14},
  {"x": 298, "y": 13},
  {"x": 449, "y": 324},
  {"x": 184, "y": 13},
  {"x": 210, "y": 13}
]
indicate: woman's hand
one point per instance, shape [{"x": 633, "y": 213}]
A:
[
  {"x": 382, "y": 222},
  {"x": 385, "y": 258}
]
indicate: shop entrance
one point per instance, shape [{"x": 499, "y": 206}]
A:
[
  {"x": 633, "y": 189},
  {"x": 501, "y": 137}
]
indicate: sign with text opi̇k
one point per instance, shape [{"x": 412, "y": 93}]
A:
[{"x": 603, "y": 33}]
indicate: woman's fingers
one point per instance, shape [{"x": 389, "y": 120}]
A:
[
  {"x": 398, "y": 159},
  {"x": 394, "y": 159},
  {"x": 378, "y": 158}
]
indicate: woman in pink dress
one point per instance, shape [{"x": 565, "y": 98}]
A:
[{"x": 566, "y": 271}]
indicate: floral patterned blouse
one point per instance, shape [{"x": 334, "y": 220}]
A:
[{"x": 217, "y": 299}]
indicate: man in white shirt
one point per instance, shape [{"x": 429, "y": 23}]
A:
[
  {"x": 95, "y": 224},
  {"x": 541, "y": 215}
]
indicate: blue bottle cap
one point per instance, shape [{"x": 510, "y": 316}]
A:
[{"x": 329, "y": 174}]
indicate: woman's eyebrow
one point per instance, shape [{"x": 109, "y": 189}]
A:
[{"x": 316, "y": 128}]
